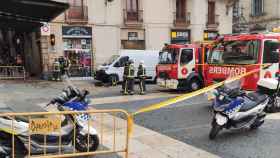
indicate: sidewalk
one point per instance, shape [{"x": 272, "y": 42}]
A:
[{"x": 146, "y": 143}]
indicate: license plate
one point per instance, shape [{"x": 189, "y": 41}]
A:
[{"x": 220, "y": 119}]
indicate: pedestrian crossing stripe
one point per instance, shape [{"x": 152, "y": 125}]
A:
[{"x": 188, "y": 96}]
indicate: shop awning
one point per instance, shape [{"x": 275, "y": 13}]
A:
[{"x": 27, "y": 14}]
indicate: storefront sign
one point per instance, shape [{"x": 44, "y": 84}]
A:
[
  {"x": 180, "y": 36},
  {"x": 210, "y": 35},
  {"x": 46, "y": 29},
  {"x": 44, "y": 126},
  {"x": 132, "y": 36},
  {"x": 76, "y": 31},
  {"x": 276, "y": 30}
]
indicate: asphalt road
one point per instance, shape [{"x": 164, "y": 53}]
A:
[{"x": 188, "y": 121}]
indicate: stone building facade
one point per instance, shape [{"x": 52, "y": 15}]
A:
[
  {"x": 258, "y": 15},
  {"x": 93, "y": 30}
]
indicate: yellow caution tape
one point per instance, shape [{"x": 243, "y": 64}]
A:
[{"x": 187, "y": 96}]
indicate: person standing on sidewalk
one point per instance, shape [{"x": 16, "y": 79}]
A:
[
  {"x": 67, "y": 65},
  {"x": 141, "y": 74},
  {"x": 56, "y": 70},
  {"x": 130, "y": 77},
  {"x": 125, "y": 74}
]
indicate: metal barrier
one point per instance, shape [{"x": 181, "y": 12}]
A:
[
  {"x": 43, "y": 123},
  {"x": 12, "y": 72}
]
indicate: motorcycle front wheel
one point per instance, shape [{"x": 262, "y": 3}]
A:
[
  {"x": 82, "y": 142},
  {"x": 215, "y": 130}
]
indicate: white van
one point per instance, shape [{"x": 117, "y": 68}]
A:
[{"x": 112, "y": 70}]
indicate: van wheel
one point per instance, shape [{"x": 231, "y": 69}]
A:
[
  {"x": 194, "y": 84},
  {"x": 155, "y": 80},
  {"x": 113, "y": 80}
]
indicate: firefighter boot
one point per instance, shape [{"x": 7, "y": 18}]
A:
[
  {"x": 125, "y": 90},
  {"x": 131, "y": 86},
  {"x": 142, "y": 86}
]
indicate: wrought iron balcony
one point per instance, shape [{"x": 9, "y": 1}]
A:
[
  {"x": 183, "y": 21},
  {"x": 77, "y": 14},
  {"x": 133, "y": 17}
]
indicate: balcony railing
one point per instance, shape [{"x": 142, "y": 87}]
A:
[
  {"x": 133, "y": 18},
  {"x": 77, "y": 14},
  {"x": 182, "y": 20},
  {"x": 212, "y": 21}
]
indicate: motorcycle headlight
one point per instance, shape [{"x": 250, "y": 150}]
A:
[
  {"x": 221, "y": 97},
  {"x": 211, "y": 94}
]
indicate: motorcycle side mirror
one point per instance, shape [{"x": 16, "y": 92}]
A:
[{"x": 86, "y": 92}]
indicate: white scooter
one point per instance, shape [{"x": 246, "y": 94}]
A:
[
  {"x": 86, "y": 137},
  {"x": 234, "y": 109}
]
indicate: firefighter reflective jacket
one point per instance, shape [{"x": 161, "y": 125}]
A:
[
  {"x": 126, "y": 69},
  {"x": 141, "y": 73},
  {"x": 130, "y": 71},
  {"x": 56, "y": 66}
]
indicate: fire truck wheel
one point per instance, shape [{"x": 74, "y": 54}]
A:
[{"x": 194, "y": 85}]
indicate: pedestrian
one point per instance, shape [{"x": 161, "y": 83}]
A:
[
  {"x": 56, "y": 70},
  {"x": 67, "y": 65},
  {"x": 125, "y": 81},
  {"x": 141, "y": 74},
  {"x": 130, "y": 77},
  {"x": 19, "y": 62}
]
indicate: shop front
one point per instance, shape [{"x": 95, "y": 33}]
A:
[
  {"x": 179, "y": 36},
  {"x": 133, "y": 38},
  {"x": 78, "y": 49},
  {"x": 210, "y": 35},
  {"x": 20, "y": 23}
]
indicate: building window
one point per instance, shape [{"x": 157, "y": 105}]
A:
[
  {"x": 77, "y": 11},
  {"x": 257, "y": 7},
  {"x": 76, "y": 2},
  {"x": 132, "y": 8},
  {"x": 211, "y": 12},
  {"x": 180, "y": 9}
]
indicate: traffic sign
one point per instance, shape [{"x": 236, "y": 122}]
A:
[{"x": 46, "y": 29}]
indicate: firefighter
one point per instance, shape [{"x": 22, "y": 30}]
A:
[
  {"x": 67, "y": 65},
  {"x": 64, "y": 65},
  {"x": 125, "y": 81},
  {"x": 130, "y": 77},
  {"x": 56, "y": 70},
  {"x": 141, "y": 74}
]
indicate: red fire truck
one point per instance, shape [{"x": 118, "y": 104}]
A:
[
  {"x": 238, "y": 54},
  {"x": 177, "y": 67}
]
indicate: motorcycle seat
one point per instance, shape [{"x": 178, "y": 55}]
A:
[
  {"x": 253, "y": 99},
  {"x": 257, "y": 97}
]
